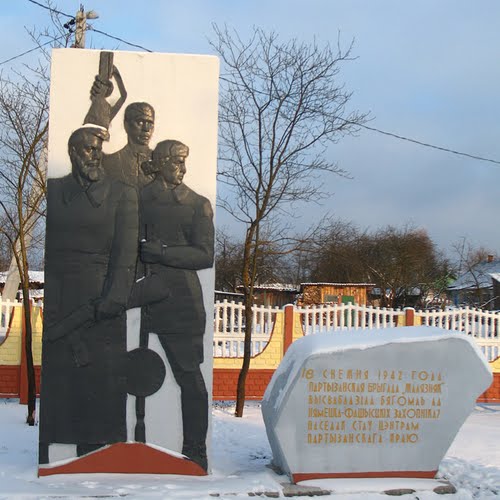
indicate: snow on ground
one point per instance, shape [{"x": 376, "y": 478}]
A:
[{"x": 240, "y": 458}]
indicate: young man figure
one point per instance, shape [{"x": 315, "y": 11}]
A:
[{"x": 176, "y": 226}]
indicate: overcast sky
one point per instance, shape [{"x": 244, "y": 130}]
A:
[{"x": 428, "y": 70}]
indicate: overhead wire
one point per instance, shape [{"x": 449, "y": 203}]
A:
[
  {"x": 373, "y": 129},
  {"x": 50, "y": 8},
  {"x": 91, "y": 28},
  {"x": 37, "y": 47},
  {"x": 427, "y": 145}
]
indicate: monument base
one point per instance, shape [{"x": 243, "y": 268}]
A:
[
  {"x": 126, "y": 458},
  {"x": 298, "y": 477}
]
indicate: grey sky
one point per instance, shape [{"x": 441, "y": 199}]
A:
[{"x": 429, "y": 70}]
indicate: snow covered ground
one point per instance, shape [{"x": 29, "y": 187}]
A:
[{"x": 240, "y": 458}]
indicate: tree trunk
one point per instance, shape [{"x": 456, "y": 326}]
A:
[
  {"x": 248, "y": 278},
  {"x": 30, "y": 369},
  {"x": 22, "y": 261},
  {"x": 242, "y": 377}
]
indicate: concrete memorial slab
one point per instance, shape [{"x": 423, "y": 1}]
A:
[
  {"x": 379, "y": 403},
  {"x": 129, "y": 271}
]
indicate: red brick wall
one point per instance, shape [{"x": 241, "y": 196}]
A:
[
  {"x": 9, "y": 381},
  {"x": 224, "y": 384},
  {"x": 225, "y": 381},
  {"x": 492, "y": 395}
]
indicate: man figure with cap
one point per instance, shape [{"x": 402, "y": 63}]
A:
[
  {"x": 90, "y": 258},
  {"x": 126, "y": 164},
  {"x": 177, "y": 239}
]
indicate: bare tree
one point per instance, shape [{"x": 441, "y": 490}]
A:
[
  {"x": 281, "y": 106},
  {"x": 229, "y": 254},
  {"x": 23, "y": 136},
  {"x": 400, "y": 261},
  {"x": 273, "y": 260},
  {"x": 335, "y": 257},
  {"x": 24, "y": 119},
  {"x": 403, "y": 262}
]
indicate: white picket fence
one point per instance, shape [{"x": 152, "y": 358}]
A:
[
  {"x": 483, "y": 326},
  {"x": 7, "y": 311},
  {"x": 229, "y": 329},
  {"x": 6, "y": 314},
  {"x": 322, "y": 318},
  {"x": 229, "y": 323}
]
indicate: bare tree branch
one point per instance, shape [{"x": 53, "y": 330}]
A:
[{"x": 281, "y": 106}]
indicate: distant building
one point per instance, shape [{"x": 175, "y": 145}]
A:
[
  {"x": 37, "y": 282},
  {"x": 334, "y": 293},
  {"x": 274, "y": 294},
  {"x": 229, "y": 296},
  {"x": 476, "y": 286}
]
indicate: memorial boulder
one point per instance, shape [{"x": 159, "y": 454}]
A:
[{"x": 383, "y": 403}]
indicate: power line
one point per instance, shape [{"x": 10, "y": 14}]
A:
[
  {"x": 119, "y": 39},
  {"x": 51, "y": 9},
  {"x": 38, "y": 47},
  {"x": 91, "y": 27},
  {"x": 373, "y": 129},
  {"x": 428, "y": 145}
]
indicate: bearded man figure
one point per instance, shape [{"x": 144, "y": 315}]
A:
[{"x": 91, "y": 252}]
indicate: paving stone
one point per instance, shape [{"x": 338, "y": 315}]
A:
[
  {"x": 399, "y": 492},
  {"x": 299, "y": 490},
  {"x": 446, "y": 489}
]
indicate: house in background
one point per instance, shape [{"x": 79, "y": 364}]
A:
[
  {"x": 334, "y": 293},
  {"x": 274, "y": 294},
  {"x": 229, "y": 296},
  {"x": 279, "y": 294},
  {"x": 476, "y": 286},
  {"x": 495, "y": 277},
  {"x": 36, "y": 284}
]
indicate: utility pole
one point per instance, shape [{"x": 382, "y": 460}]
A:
[{"x": 81, "y": 26}]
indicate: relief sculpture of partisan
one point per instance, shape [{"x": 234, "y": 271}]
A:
[{"x": 123, "y": 231}]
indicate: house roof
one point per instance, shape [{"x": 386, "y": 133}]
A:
[
  {"x": 479, "y": 277},
  {"x": 278, "y": 287},
  {"x": 35, "y": 277},
  {"x": 336, "y": 284},
  {"x": 228, "y": 293}
]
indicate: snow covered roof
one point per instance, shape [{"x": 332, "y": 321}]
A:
[
  {"x": 495, "y": 276},
  {"x": 337, "y": 284},
  {"x": 35, "y": 276},
  {"x": 479, "y": 277},
  {"x": 34, "y": 294},
  {"x": 278, "y": 287}
]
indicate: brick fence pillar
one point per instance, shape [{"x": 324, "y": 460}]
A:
[
  {"x": 23, "y": 376},
  {"x": 409, "y": 316},
  {"x": 288, "y": 327}
]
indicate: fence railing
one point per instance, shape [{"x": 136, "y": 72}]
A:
[
  {"x": 7, "y": 309},
  {"x": 321, "y": 318},
  {"x": 229, "y": 323},
  {"x": 229, "y": 329},
  {"x": 483, "y": 326}
]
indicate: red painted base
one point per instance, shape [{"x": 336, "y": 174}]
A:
[
  {"x": 306, "y": 476},
  {"x": 126, "y": 458}
]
